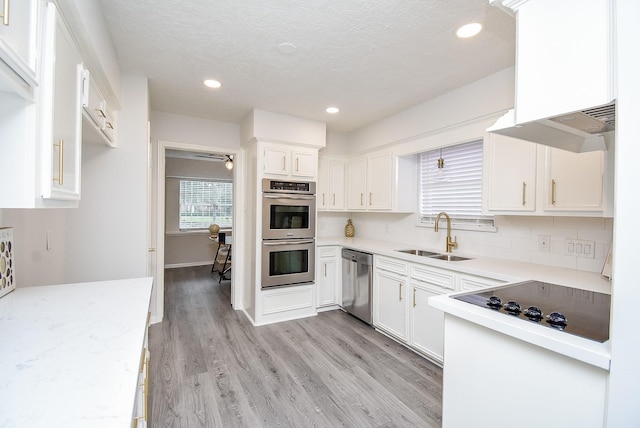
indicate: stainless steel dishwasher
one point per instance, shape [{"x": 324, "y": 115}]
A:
[{"x": 357, "y": 283}]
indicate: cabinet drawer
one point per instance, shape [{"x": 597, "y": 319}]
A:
[
  {"x": 392, "y": 265},
  {"x": 327, "y": 251},
  {"x": 477, "y": 282},
  {"x": 441, "y": 278}
]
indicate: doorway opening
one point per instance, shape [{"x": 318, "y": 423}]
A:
[{"x": 196, "y": 187}]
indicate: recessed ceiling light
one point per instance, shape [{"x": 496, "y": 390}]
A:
[
  {"x": 469, "y": 30},
  {"x": 332, "y": 110},
  {"x": 212, "y": 83},
  {"x": 287, "y": 48}
]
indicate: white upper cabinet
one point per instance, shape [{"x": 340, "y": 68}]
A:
[
  {"x": 18, "y": 46},
  {"x": 99, "y": 120},
  {"x": 357, "y": 184},
  {"x": 370, "y": 182},
  {"x": 523, "y": 178},
  {"x": 510, "y": 174},
  {"x": 61, "y": 111},
  {"x": 564, "y": 56},
  {"x": 380, "y": 181},
  {"x": 290, "y": 161},
  {"x": 42, "y": 154},
  {"x": 573, "y": 181},
  {"x": 331, "y": 184}
]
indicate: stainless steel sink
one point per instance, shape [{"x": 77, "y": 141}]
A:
[
  {"x": 419, "y": 253},
  {"x": 449, "y": 257},
  {"x": 432, "y": 255}
]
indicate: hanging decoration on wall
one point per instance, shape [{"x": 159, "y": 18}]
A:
[{"x": 7, "y": 282}]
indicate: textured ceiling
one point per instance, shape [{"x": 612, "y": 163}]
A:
[{"x": 370, "y": 58}]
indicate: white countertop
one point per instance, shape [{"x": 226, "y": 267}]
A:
[
  {"x": 502, "y": 269},
  {"x": 588, "y": 351},
  {"x": 70, "y": 354}
]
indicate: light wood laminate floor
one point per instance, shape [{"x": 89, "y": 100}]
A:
[{"x": 211, "y": 368}]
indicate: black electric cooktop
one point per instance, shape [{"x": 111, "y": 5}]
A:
[{"x": 571, "y": 310}]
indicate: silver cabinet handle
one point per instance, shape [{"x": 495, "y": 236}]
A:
[
  {"x": 524, "y": 190},
  {"x": 400, "y": 291},
  {"x": 553, "y": 192}
]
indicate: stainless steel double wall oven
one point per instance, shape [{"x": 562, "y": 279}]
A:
[{"x": 288, "y": 232}]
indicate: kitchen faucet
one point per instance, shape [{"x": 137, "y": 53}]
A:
[{"x": 451, "y": 243}]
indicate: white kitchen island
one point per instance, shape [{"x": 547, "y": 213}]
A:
[
  {"x": 503, "y": 371},
  {"x": 71, "y": 354}
]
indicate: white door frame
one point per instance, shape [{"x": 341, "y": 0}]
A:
[{"x": 238, "y": 234}]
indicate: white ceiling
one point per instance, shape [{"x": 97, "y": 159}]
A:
[{"x": 370, "y": 58}]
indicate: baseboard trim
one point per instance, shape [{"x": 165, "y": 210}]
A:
[{"x": 191, "y": 264}]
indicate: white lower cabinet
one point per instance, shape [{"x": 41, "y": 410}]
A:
[
  {"x": 389, "y": 303},
  {"x": 328, "y": 279},
  {"x": 427, "y": 322},
  {"x": 141, "y": 406},
  {"x": 401, "y": 309}
]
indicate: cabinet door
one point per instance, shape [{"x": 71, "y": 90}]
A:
[
  {"x": 276, "y": 160},
  {"x": 564, "y": 58},
  {"x": 62, "y": 112},
  {"x": 357, "y": 182},
  {"x": 511, "y": 174},
  {"x": 379, "y": 181},
  {"x": 327, "y": 281},
  {"x": 18, "y": 36},
  {"x": 573, "y": 181},
  {"x": 390, "y": 304},
  {"x": 427, "y": 323},
  {"x": 303, "y": 163},
  {"x": 336, "y": 184},
  {"x": 323, "y": 187}
]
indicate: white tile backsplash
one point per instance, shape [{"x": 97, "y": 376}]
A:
[{"x": 516, "y": 237}]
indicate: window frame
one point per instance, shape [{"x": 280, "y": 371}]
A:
[
  {"x": 183, "y": 227},
  {"x": 481, "y": 221}
]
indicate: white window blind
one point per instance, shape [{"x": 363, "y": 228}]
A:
[
  {"x": 456, "y": 188},
  {"x": 203, "y": 202}
]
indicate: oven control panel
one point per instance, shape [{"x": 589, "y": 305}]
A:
[{"x": 281, "y": 186}]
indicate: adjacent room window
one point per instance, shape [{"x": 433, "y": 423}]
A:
[
  {"x": 203, "y": 202},
  {"x": 451, "y": 181}
]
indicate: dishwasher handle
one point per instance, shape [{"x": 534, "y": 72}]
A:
[{"x": 357, "y": 256}]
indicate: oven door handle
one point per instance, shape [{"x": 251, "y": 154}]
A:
[
  {"x": 272, "y": 244},
  {"x": 284, "y": 196}
]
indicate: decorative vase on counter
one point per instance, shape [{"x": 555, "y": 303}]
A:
[{"x": 349, "y": 229}]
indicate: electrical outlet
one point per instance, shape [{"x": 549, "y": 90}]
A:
[
  {"x": 544, "y": 243},
  {"x": 581, "y": 248}
]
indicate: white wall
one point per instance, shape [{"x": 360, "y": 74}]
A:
[
  {"x": 190, "y": 130},
  {"x": 107, "y": 234},
  {"x": 187, "y": 248},
  {"x": 624, "y": 381},
  {"x": 487, "y": 96},
  {"x": 34, "y": 263}
]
